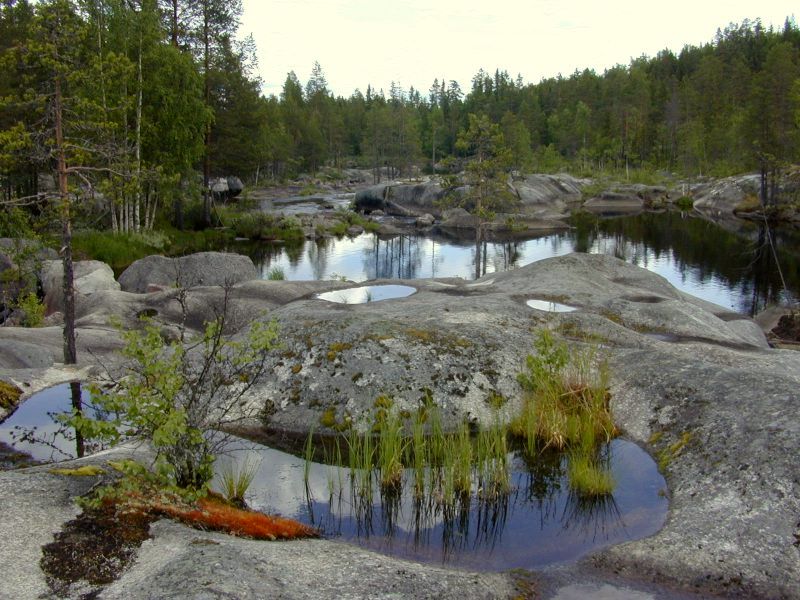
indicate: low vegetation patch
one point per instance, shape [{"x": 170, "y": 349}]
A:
[
  {"x": 566, "y": 407},
  {"x": 751, "y": 203},
  {"x": 99, "y": 545},
  {"x": 9, "y": 395}
]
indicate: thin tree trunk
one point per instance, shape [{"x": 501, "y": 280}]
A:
[
  {"x": 138, "y": 151},
  {"x": 70, "y": 351},
  {"x": 175, "y": 23},
  {"x": 207, "y": 135}
]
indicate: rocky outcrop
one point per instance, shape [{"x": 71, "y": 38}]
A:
[
  {"x": 404, "y": 200},
  {"x": 541, "y": 196},
  {"x": 548, "y": 196},
  {"x": 628, "y": 200},
  {"x": 15, "y": 354},
  {"x": 90, "y": 276},
  {"x": 719, "y": 198},
  {"x": 201, "y": 269},
  {"x": 691, "y": 381}
]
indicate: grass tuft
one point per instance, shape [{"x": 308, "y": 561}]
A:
[{"x": 235, "y": 479}]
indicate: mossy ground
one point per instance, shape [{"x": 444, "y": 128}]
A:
[{"x": 9, "y": 395}]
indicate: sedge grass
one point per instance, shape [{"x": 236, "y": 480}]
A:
[
  {"x": 236, "y": 477},
  {"x": 566, "y": 407},
  {"x": 587, "y": 477}
]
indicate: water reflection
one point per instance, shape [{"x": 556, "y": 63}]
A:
[
  {"x": 34, "y": 429},
  {"x": 540, "y": 522},
  {"x": 736, "y": 270},
  {"x": 550, "y": 306},
  {"x": 367, "y": 293}
]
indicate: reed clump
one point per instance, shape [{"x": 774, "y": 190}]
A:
[
  {"x": 398, "y": 448},
  {"x": 566, "y": 407}
]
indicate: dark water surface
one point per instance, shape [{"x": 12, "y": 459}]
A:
[
  {"x": 541, "y": 522},
  {"x": 735, "y": 270}
]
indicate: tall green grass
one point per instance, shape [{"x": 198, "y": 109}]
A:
[{"x": 566, "y": 407}]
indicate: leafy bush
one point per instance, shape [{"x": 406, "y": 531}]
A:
[
  {"x": 179, "y": 397},
  {"x": 33, "y": 308}
]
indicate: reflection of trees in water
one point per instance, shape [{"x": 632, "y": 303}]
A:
[
  {"x": 317, "y": 252},
  {"x": 263, "y": 254},
  {"x": 63, "y": 442},
  {"x": 399, "y": 257},
  {"x": 471, "y": 523},
  {"x": 745, "y": 262}
]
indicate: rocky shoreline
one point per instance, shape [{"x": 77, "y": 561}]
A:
[{"x": 695, "y": 384}]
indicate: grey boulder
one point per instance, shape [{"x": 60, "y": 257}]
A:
[{"x": 201, "y": 269}]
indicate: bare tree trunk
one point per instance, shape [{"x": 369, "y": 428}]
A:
[
  {"x": 207, "y": 135},
  {"x": 70, "y": 352},
  {"x": 175, "y": 23},
  {"x": 477, "y": 251},
  {"x": 138, "y": 151}
]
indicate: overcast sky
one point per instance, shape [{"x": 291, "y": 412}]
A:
[{"x": 360, "y": 42}]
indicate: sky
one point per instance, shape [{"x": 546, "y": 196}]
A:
[{"x": 361, "y": 42}]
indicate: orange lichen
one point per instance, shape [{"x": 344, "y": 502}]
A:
[{"x": 211, "y": 513}]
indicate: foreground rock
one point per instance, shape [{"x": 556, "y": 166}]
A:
[
  {"x": 180, "y": 562},
  {"x": 693, "y": 382}
]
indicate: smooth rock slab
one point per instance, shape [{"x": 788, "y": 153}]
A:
[{"x": 184, "y": 563}]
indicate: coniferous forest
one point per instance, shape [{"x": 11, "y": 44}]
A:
[{"x": 146, "y": 101}]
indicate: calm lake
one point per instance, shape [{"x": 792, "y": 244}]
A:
[{"x": 737, "y": 271}]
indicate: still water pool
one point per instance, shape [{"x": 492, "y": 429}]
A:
[
  {"x": 735, "y": 270},
  {"x": 541, "y": 522}
]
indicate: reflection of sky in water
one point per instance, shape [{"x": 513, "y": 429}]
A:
[
  {"x": 366, "y": 257},
  {"x": 535, "y": 528},
  {"x": 367, "y": 293},
  {"x": 549, "y": 306},
  {"x": 34, "y": 417}
]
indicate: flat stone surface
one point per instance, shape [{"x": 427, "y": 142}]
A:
[{"x": 179, "y": 562}]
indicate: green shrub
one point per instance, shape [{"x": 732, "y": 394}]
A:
[
  {"x": 684, "y": 203},
  {"x": 33, "y": 308},
  {"x": 179, "y": 397}
]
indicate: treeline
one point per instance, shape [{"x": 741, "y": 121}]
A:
[
  {"x": 131, "y": 98},
  {"x": 725, "y": 107},
  {"x": 151, "y": 93}
]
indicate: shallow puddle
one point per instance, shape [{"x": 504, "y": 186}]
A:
[
  {"x": 367, "y": 293},
  {"x": 550, "y": 306},
  {"x": 32, "y": 429},
  {"x": 540, "y": 523}
]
